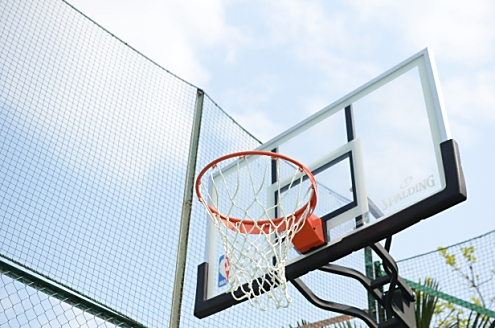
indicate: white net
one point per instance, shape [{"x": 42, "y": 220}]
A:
[{"x": 257, "y": 220}]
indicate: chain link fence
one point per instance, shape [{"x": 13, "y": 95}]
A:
[
  {"x": 465, "y": 273},
  {"x": 92, "y": 146}
]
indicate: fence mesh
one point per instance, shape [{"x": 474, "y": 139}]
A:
[
  {"x": 25, "y": 306},
  {"x": 465, "y": 274},
  {"x": 93, "y": 163},
  {"x": 30, "y": 300},
  {"x": 94, "y": 140},
  {"x": 465, "y": 277}
]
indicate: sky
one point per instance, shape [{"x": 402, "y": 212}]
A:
[{"x": 258, "y": 59}]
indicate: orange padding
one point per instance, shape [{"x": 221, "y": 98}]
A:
[{"x": 310, "y": 236}]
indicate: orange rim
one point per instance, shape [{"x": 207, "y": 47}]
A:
[{"x": 266, "y": 226}]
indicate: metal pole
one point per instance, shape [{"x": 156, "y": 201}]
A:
[
  {"x": 368, "y": 262},
  {"x": 378, "y": 273},
  {"x": 186, "y": 213},
  {"x": 368, "y": 257}
]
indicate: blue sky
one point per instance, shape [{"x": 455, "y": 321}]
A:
[{"x": 257, "y": 58}]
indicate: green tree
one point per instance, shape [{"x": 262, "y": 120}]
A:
[
  {"x": 426, "y": 305},
  {"x": 454, "y": 316},
  {"x": 469, "y": 275}
]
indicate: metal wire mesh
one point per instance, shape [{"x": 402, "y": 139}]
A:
[
  {"x": 30, "y": 300},
  {"x": 93, "y": 163},
  {"x": 25, "y": 306},
  {"x": 465, "y": 273}
]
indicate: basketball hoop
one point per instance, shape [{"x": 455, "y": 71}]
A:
[{"x": 257, "y": 227}]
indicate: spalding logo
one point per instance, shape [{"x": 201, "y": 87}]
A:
[{"x": 408, "y": 190}]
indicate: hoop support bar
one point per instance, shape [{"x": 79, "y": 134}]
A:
[
  {"x": 332, "y": 306},
  {"x": 398, "y": 301}
]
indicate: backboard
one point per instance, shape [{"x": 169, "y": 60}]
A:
[{"x": 383, "y": 160}]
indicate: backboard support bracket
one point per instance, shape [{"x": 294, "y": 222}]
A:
[{"x": 398, "y": 302}]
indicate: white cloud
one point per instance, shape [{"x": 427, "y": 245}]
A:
[
  {"x": 471, "y": 105},
  {"x": 248, "y": 102},
  {"x": 259, "y": 124},
  {"x": 344, "y": 41},
  {"x": 172, "y": 33},
  {"x": 458, "y": 31},
  {"x": 322, "y": 37},
  {"x": 474, "y": 98}
]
